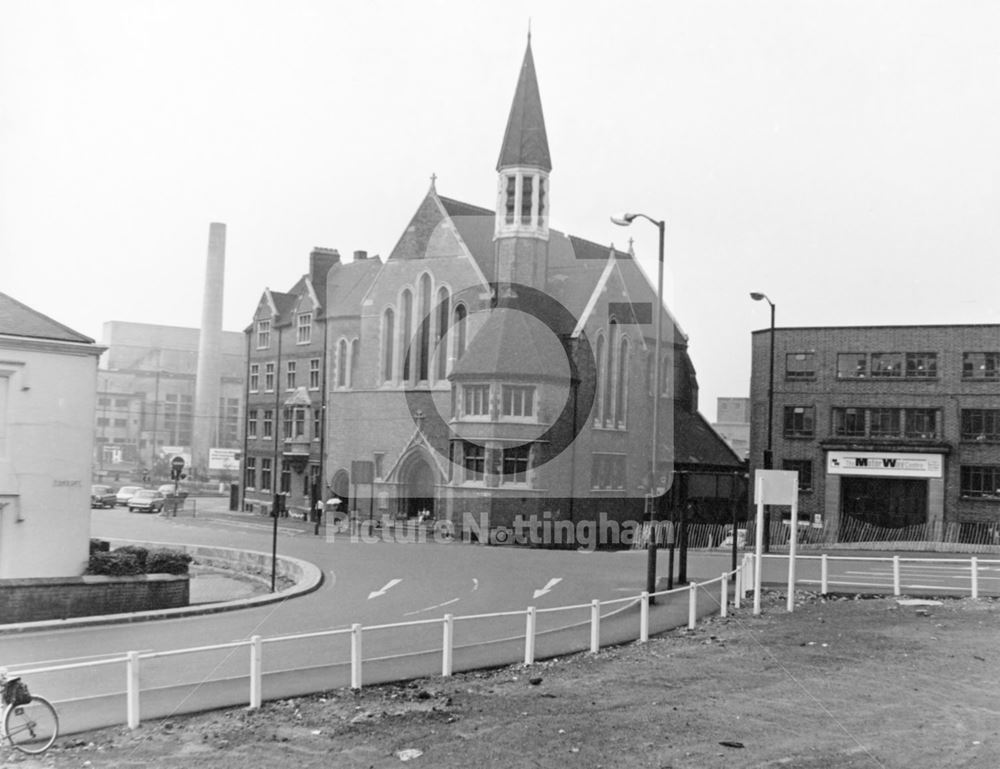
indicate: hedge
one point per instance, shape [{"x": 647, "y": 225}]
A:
[{"x": 132, "y": 560}]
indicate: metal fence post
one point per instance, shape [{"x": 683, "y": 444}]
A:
[
  {"x": 644, "y": 617},
  {"x": 724, "y": 598},
  {"x": 824, "y": 575},
  {"x": 595, "y": 626},
  {"x": 132, "y": 690},
  {"x": 356, "y": 656},
  {"x": 692, "y": 605},
  {"x": 256, "y": 657},
  {"x": 974, "y": 565},
  {"x": 738, "y": 586},
  {"x": 529, "y": 636},
  {"x": 895, "y": 575},
  {"x": 447, "y": 645}
]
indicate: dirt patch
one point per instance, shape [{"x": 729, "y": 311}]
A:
[{"x": 841, "y": 683}]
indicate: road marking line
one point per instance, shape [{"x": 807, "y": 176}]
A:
[
  {"x": 548, "y": 586},
  {"x": 432, "y": 608},
  {"x": 388, "y": 586}
]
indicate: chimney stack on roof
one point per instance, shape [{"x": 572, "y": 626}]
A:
[
  {"x": 360, "y": 256},
  {"x": 320, "y": 262}
]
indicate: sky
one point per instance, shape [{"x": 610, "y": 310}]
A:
[{"x": 841, "y": 157}]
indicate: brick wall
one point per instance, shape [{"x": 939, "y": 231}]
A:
[{"x": 33, "y": 600}]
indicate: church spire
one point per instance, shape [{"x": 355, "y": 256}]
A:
[{"x": 525, "y": 142}]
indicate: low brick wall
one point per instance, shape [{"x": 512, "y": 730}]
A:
[{"x": 47, "y": 598}]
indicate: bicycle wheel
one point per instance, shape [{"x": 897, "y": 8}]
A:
[{"x": 32, "y": 728}]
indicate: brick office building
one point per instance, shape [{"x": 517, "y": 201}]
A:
[
  {"x": 887, "y": 425},
  {"x": 287, "y": 384}
]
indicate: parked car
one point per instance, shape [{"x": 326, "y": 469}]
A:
[
  {"x": 167, "y": 489},
  {"x": 125, "y": 493},
  {"x": 102, "y": 496},
  {"x": 146, "y": 501}
]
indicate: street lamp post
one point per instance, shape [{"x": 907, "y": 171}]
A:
[
  {"x": 624, "y": 220},
  {"x": 769, "y": 451}
]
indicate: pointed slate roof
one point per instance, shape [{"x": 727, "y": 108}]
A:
[
  {"x": 511, "y": 345},
  {"x": 18, "y": 319},
  {"x": 525, "y": 142}
]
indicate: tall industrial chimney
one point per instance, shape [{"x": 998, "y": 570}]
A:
[{"x": 208, "y": 385}]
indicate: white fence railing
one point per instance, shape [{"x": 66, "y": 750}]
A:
[
  {"x": 240, "y": 680},
  {"x": 716, "y": 593}
]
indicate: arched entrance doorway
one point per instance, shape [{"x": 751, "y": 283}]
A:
[
  {"x": 341, "y": 486},
  {"x": 417, "y": 482}
]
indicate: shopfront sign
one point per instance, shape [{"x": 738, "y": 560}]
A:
[{"x": 884, "y": 464}]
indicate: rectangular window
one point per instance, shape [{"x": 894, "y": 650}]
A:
[
  {"x": 317, "y": 424},
  {"x": 510, "y": 196},
  {"x": 517, "y": 401},
  {"x": 121, "y": 402},
  {"x": 290, "y": 375},
  {"x": 251, "y": 475},
  {"x": 254, "y": 377},
  {"x": 526, "y": 183},
  {"x": 804, "y": 468},
  {"x": 851, "y": 365},
  {"x": 286, "y": 422},
  {"x": 252, "y": 424},
  {"x": 476, "y": 400},
  {"x": 103, "y": 421},
  {"x": 286, "y": 477},
  {"x": 473, "y": 460},
  {"x": 607, "y": 471},
  {"x": 921, "y": 423},
  {"x": 120, "y": 422},
  {"x": 887, "y": 364},
  {"x": 299, "y": 422},
  {"x": 380, "y": 462},
  {"x": 268, "y": 424},
  {"x": 269, "y": 377},
  {"x": 848, "y": 422},
  {"x": 265, "y": 473},
  {"x": 104, "y": 401},
  {"x": 515, "y": 464},
  {"x": 314, "y": 373},
  {"x": 980, "y": 481},
  {"x": 921, "y": 365},
  {"x": 799, "y": 421},
  {"x": 981, "y": 425},
  {"x": 303, "y": 331},
  {"x": 981, "y": 365},
  {"x": 885, "y": 423},
  {"x": 263, "y": 334},
  {"x": 800, "y": 365}
]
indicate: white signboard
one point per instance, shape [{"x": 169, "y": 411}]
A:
[
  {"x": 884, "y": 464},
  {"x": 224, "y": 459}
]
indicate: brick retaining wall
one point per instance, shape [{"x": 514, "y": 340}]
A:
[{"x": 33, "y": 600}]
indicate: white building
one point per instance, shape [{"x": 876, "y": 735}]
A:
[{"x": 48, "y": 384}]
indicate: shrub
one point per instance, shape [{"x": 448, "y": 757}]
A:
[
  {"x": 114, "y": 564},
  {"x": 99, "y": 546},
  {"x": 167, "y": 562},
  {"x": 140, "y": 553}
]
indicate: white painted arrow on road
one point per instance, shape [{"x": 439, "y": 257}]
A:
[
  {"x": 388, "y": 585},
  {"x": 548, "y": 586}
]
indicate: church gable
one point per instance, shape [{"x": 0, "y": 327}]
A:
[{"x": 430, "y": 234}]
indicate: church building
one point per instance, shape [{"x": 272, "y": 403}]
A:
[{"x": 493, "y": 368}]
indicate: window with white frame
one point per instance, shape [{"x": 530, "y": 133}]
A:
[
  {"x": 314, "y": 373},
  {"x": 252, "y": 424},
  {"x": 254, "y": 377},
  {"x": 388, "y": 336},
  {"x": 251, "y": 475},
  {"x": 476, "y": 400},
  {"x": 290, "y": 375},
  {"x": 517, "y": 401},
  {"x": 269, "y": 377},
  {"x": 303, "y": 331},
  {"x": 268, "y": 424},
  {"x": 342, "y": 363},
  {"x": 473, "y": 460},
  {"x": 514, "y": 462},
  {"x": 263, "y": 334},
  {"x": 265, "y": 473}
]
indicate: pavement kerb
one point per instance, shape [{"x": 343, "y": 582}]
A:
[{"x": 307, "y": 576}]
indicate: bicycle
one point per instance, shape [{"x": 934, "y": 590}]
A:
[{"x": 30, "y": 723}]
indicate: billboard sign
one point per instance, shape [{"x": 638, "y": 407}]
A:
[{"x": 224, "y": 459}]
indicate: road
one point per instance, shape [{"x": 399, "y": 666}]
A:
[{"x": 376, "y": 583}]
